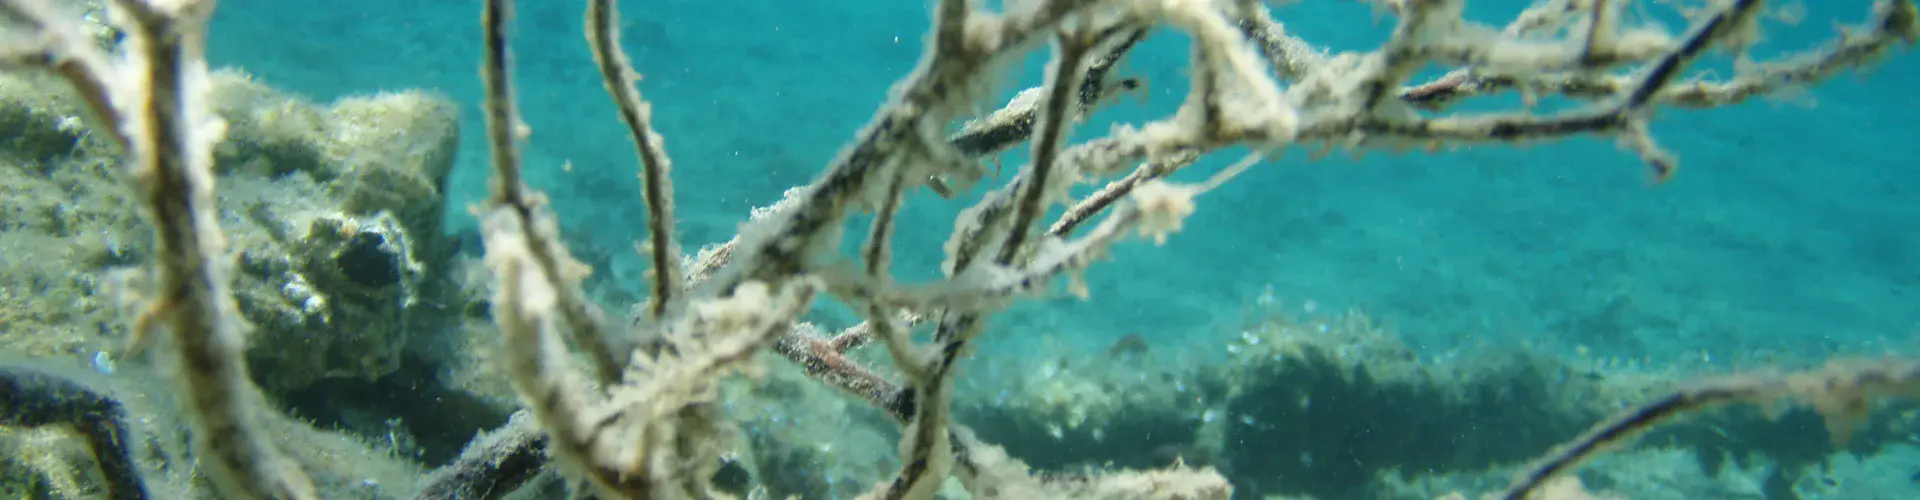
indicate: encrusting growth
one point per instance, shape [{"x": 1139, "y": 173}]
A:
[
  {"x": 155, "y": 95},
  {"x": 639, "y": 423},
  {"x": 617, "y": 73}
]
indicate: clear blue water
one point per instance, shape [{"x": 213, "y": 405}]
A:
[
  {"x": 1789, "y": 228},
  {"x": 1789, "y": 234}
]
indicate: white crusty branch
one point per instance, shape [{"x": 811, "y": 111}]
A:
[
  {"x": 1252, "y": 84},
  {"x": 152, "y": 99},
  {"x": 640, "y": 425}
]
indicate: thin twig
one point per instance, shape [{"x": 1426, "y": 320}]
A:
[
  {"x": 1842, "y": 392},
  {"x": 618, "y": 75}
]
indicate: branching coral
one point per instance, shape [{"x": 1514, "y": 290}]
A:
[{"x": 641, "y": 423}]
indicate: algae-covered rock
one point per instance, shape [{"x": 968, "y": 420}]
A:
[
  {"x": 1338, "y": 407},
  {"x": 63, "y": 450},
  {"x": 332, "y": 215}
]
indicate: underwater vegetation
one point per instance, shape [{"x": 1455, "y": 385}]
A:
[{"x": 268, "y": 306}]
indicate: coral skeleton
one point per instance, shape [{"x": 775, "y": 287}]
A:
[{"x": 628, "y": 408}]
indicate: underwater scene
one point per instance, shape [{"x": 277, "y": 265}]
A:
[{"x": 959, "y": 249}]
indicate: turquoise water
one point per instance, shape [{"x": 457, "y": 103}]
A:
[
  {"x": 1787, "y": 237},
  {"x": 1788, "y": 229}
]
